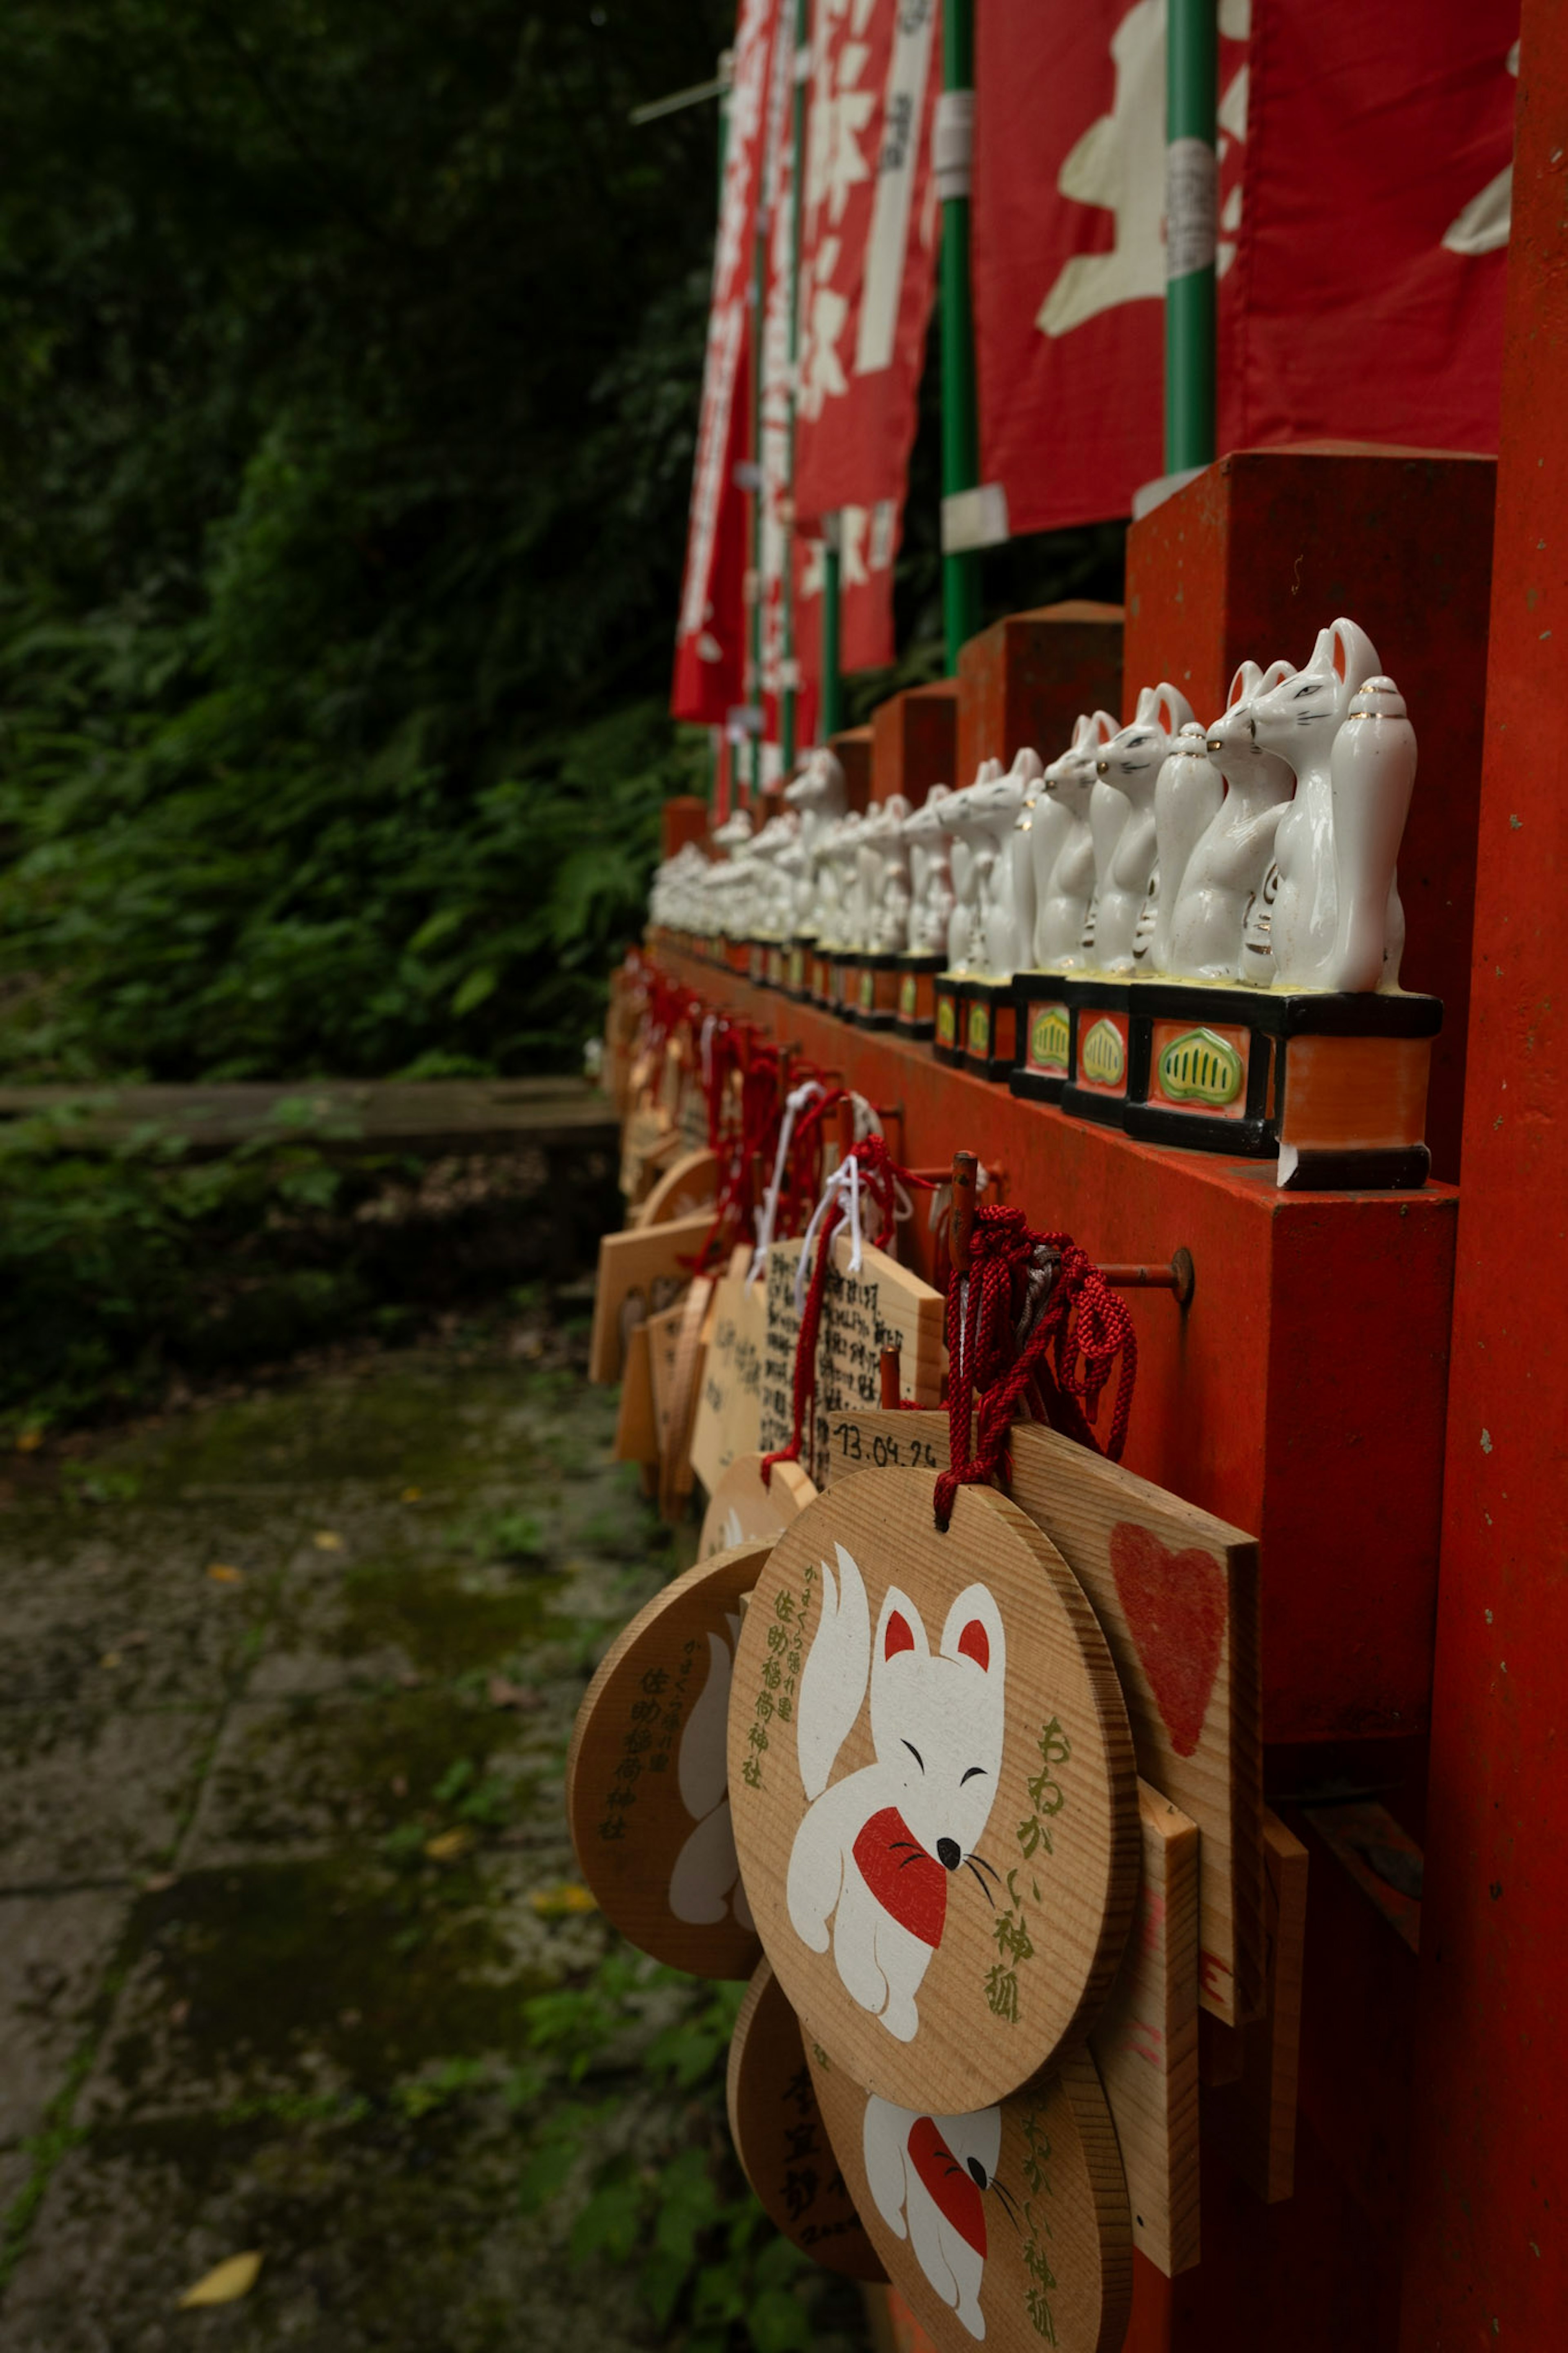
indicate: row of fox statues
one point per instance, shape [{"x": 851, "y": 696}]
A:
[{"x": 1262, "y": 849}]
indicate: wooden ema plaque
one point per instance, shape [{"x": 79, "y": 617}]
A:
[
  {"x": 741, "y": 1511},
  {"x": 1176, "y": 1591},
  {"x": 1253, "y": 2117},
  {"x": 781, "y": 2141},
  {"x": 675, "y": 1365},
  {"x": 883, "y": 1306},
  {"x": 688, "y": 1185},
  {"x": 641, "y": 1273},
  {"x": 934, "y": 1801},
  {"x": 1145, "y": 2043},
  {"x": 647, "y": 1794},
  {"x": 1006, "y": 2225},
  {"x": 729, "y": 1418}
]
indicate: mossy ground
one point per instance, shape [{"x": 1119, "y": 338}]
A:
[{"x": 285, "y": 1685}]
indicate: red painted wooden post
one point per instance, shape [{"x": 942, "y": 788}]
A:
[
  {"x": 1487, "y": 2257},
  {"x": 1024, "y": 681},
  {"x": 915, "y": 742}
]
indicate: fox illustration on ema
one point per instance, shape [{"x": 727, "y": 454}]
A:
[
  {"x": 929, "y": 2175},
  {"x": 875, "y": 1853},
  {"x": 706, "y": 1881}
]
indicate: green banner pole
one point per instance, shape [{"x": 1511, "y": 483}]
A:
[
  {"x": 960, "y": 426},
  {"x": 1192, "y": 193}
]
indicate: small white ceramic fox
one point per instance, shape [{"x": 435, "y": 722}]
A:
[
  {"x": 931, "y": 874},
  {"x": 1300, "y": 719},
  {"x": 706, "y": 1881},
  {"x": 874, "y": 1855},
  {"x": 996, "y": 805},
  {"x": 973, "y": 850},
  {"x": 1122, "y": 819},
  {"x": 928, "y": 2176},
  {"x": 1224, "y": 873},
  {"x": 1064, "y": 889}
]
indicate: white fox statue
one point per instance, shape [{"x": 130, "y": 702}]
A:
[{"x": 875, "y": 1853}]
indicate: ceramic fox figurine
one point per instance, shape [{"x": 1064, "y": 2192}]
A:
[
  {"x": 821, "y": 795},
  {"x": 1298, "y": 719},
  {"x": 1225, "y": 872},
  {"x": 1187, "y": 798},
  {"x": 885, "y": 875},
  {"x": 995, "y": 806},
  {"x": 931, "y": 874},
  {"x": 1372, "y": 771},
  {"x": 1064, "y": 889},
  {"x": 972, "y": 851},
  {"x": 1122, "y": 819}
]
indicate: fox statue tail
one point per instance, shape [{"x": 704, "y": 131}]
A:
[{"x": 838, "y": 1668}]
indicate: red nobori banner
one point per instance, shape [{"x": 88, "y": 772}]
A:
[
  {"x": 792, "y": 664},
  {"x": 1364, "y": 156},
  {"x": 1373, "y": 223},
  {"x": 710, "y": 648},
  {"x": 867, "y": 278}
]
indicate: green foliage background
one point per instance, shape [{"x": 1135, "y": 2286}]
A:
[{"x": 348, "y": 372}]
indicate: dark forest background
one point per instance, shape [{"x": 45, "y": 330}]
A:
[{"x": 349, "y": 362}]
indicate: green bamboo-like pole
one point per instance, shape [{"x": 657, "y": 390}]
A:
[
  {"x": 960, "y": 425},
  {"x": 1191, "y": 72}
]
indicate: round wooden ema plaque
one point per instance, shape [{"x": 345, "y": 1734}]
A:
[
  {"x": 1009, "y": 2224},
  {"x": 742, "y": 1511},
  {"x": 647, "y": 1794},
  {"x": 935, "y": 1800},
  {"x": 781, "y": 2141}
]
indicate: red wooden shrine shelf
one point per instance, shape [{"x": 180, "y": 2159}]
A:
[{"x": 1301, "y": 1396}]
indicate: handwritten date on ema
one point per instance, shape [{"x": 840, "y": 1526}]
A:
[{"x": 876, "y": 1450}]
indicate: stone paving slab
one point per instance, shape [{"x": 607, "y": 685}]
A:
[
  {"x": 373, "y": 2241},
  {"x": 54, "y": 1953},
  {"x": 91, "y": 1794}
]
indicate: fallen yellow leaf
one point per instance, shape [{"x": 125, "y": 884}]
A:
[
  {"x": 225, "y": 2284},
  {"x": 561, "y": 1903},
  {"x": 411, "y": 1495},
  {"x": 109, "y": 1659},
  {"x": 221, "y": 1574},
  {"x": 29, "y": 1442},
  {"x": 448, "y": 1845},
  {"x": 326, "y": 1540}
]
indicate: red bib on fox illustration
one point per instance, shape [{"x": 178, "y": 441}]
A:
[{"x": 932, "y": 1790}]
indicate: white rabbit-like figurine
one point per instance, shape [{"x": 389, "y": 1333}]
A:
[
  {"x": 820, "y": 794},
  {"x": 1122, "y": 819},
  {"x": 1372, "y": 771},
  {"x": 995, "y": 806},
  {"x": 1064, "y": 887},
  {"x": 1225, "y": 871},
  {"x": 931, "y": 874},
  {"x": 885, "y": 876},
  {"x": 971, "y": 852},
  {"x": 1187, "y": 798},
  {"x": 1300, "y": 719}
]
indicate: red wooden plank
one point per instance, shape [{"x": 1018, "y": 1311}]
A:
[
  {"x": 1486, "y": 2259},
  {"x": 1300, "y": 1397}
]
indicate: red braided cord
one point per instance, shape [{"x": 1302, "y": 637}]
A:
[{"x": 1081, "y": 1316}]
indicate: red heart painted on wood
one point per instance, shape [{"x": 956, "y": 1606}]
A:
[{"x": 1175, "y": 1607}]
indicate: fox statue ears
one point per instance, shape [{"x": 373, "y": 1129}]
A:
[
  {"x": 973, "y": 1630},
  {"x": 1345, "y": 651},
  {"x": 1091, "y": 730},
  {"x": 1163, "y": 706}
]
